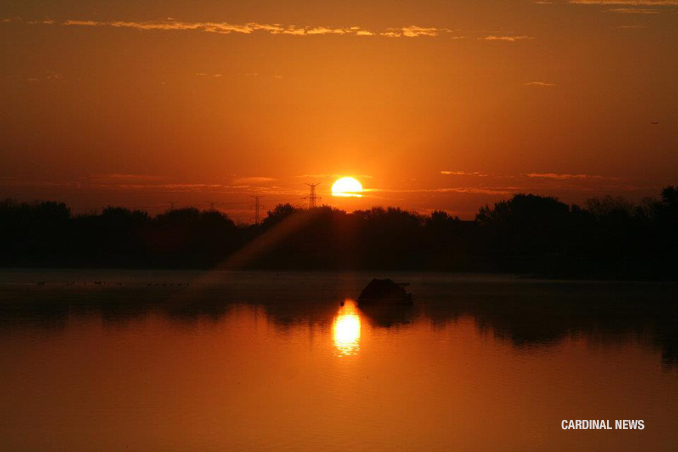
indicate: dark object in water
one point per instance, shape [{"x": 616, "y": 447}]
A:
[{"x": 385, "y": 292}]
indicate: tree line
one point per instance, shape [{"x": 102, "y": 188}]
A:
[{"x": 606, "y": 237}]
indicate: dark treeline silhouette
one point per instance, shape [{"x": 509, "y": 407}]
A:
[{"x": 607, "y": 237}]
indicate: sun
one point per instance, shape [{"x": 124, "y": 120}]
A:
[{"x": 347, "y": 186}]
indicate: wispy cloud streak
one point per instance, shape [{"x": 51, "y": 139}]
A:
[
  {"x": 505, "y": 38},
  {"x": 253, "y": 180},
  {"x": 633, "y": 10},
  {"x": 557, "y": 176},
  {"x": 467, "y": 190},
  {"x": 627, "y": 2},
  {"x": 410, "y": 31},
  {"x": 125, "y": 177},
  {"x": 414, "y": 31},
  {"x": 463, "y": 173},
  {"x": 221, "y": 27},
  {"x": 541, "y": 84}
]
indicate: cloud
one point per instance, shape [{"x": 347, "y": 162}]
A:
[
  {"x": 633, "y": 10},
  {"x": 325, "y": 175},
  {"x": 252, "y": 180},
  {"x": 125, "y": 181},
  {"x": 631, "y": 27},
  {"x": 414, "y": 31},
  {"x": 463, "y": 173},
  {"x": 391, "y": 34},
  {"x": 22, "y": 182},
  {"x": 542, "y": 84},
  {"x": 318, "y": 175},
  {"x": 505, "y": 38},
  {"x": 328, "y": 31},
  {"x": 164, "y": 187},
  {"x": 627, "y": 2},
  {"x": 41, "y": 22},
  {"x": 116, "y": 182},
  {"x": 556, "y": 176},
  {"x": 248, "y": 28},
  {"x": 125, "y": 177},
  {"x": 467, "y": 190},
  {"x": 48, "y": 76},
  {"x": 83, "y": 23},
  {"x": 476, "y": 190},
  {"x": 189, "y": 187},
  {"x": 411, "y": 31}
]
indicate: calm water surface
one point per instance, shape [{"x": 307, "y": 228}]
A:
[{"x": 268, "y": 361}]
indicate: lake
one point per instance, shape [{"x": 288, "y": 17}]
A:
[{"x": 259, "y": 361}]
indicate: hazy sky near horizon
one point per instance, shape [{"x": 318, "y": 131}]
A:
[{"x": 430, "y": 104}]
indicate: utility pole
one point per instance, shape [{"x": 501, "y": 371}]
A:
[
  {"x": 312, "y": 197},
  {"x": 257, "y": 206}
]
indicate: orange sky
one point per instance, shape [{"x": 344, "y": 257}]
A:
[{"x": 430, "y": 104}]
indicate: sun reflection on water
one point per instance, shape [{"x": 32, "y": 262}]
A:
[{"x": 346, "y": 329}]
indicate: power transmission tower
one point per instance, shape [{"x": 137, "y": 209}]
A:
[
  {"x": 211, "y": 206},
  {"x": 257, "y": 206},
  {"x": 171, "y": 203},
  {"x": 312, "y": 197}
]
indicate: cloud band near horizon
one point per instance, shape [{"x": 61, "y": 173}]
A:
[
  {"x": 626, "y": 2},
  {"x": 410, "y": 31}
]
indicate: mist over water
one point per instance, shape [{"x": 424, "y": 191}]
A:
[{"x": 171, "y": 361}]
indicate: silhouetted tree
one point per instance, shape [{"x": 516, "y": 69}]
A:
[
  {"x": 527, "y": 233},
  {"x": 527, "y": 225},
  {"x": 610, "y": 207},
  {"x": 279, "y": 213}
]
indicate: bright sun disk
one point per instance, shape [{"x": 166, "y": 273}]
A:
[{"x": 347, "y": 186}]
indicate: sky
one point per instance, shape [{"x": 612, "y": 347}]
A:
[{"x": 431, "y": 104}]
